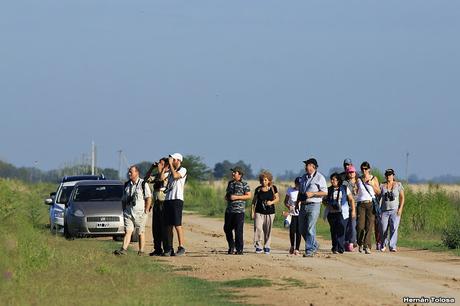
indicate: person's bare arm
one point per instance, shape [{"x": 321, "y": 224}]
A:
[
  {"x": 243, "y": 197},
  {"x": 147, "y": 204},
  {"x": 401, "y": 202},
  {"x": 351, "y": 200},
  {"x": 376, "y": 185}
]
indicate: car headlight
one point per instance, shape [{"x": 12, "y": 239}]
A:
[
  {"x": 78, "y": 213},
  {"x": 58, "y": 214}
]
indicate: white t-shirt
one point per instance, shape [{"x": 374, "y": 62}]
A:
[
  {"x": 176, "y": 186},
  {"x": 292, "y": 194},
  {"x": 363, "y": 194}
]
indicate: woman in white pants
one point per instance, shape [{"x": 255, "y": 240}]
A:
[{"x": 392, "y": 207}]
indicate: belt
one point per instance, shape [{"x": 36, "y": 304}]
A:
[
  {"x": 365, "y": 202},
  {"x": 306, "y": 203}
]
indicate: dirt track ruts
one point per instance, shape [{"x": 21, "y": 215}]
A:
[{"x": 326, "y": 279}]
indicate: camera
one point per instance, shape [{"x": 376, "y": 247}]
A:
[
  {"x": 389, "y": 196},
  {"x": 131, "y": 200}
]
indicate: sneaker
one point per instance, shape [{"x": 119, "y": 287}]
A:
[
  {"x": 360, "y": 249},
  {"x": 296, "y": 252},
  {"x": 168, "y": 254},
  {"x": 231, "y": 251},
  {"x": 291, "y": 250},
  {"x": 180, "y": 251},
  {"x": 120, "y": 252},
  {"x": 308, "y": 254},
  {"x": 156, "y": 253},
  {"x": 239, "y": 252},
  {"x": 140, "y": 253},
  {"x": 393, "y": 250},
  {"x": 367, "y": 251},
  {"x": 267, "y": 251},
  {"x": 383, "y": 249},
  {"x": 259, "y": 251},
  {"x": 334, "y": 252}
]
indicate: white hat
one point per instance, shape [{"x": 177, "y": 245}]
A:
[{"x": 177, "y": 156}]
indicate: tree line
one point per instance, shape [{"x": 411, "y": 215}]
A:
[{"x": 197, "y": 170}]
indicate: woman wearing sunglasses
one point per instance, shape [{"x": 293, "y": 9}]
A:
[
  {"x": 392, "y": 207},
  {"x": 368, "y": 189}
]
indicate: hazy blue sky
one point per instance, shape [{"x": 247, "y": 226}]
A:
[{"x": 269, "y": 82}]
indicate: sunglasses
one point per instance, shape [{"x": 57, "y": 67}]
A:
[{"x": 364, "y": 169}]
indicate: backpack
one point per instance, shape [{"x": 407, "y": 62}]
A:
[{"x": 142, "y": 185}]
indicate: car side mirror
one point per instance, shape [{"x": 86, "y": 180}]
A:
[
  {"x": 53, "y": 195},
  {"x": 49, "y": 201}
]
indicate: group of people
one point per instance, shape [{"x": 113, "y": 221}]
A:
[
  {"x": 168, "y": 178},
  {"x": 355, "y": 206}
]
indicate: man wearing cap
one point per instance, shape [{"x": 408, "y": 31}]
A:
[
  {"x": 174, "y": 204},
  {"x": 312, "y": 189},
  {"x": 237, "y": 193},
  {"x": 346, "y": 163}
]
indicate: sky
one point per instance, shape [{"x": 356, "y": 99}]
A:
[{"x": 268, "y": 82}]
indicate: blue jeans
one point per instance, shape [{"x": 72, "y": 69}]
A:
[
  {"x": 337, "y": 225},
  {"x": 389, "y": 223},
  {"x": 350, "y": 234},
  {"x": 308, "y": 215}
]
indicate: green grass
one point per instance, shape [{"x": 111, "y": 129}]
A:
[
  {"x": 38, "y": 268},
  {"x": 247, "y": 283}
]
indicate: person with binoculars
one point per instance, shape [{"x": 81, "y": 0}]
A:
[
  {"x": 391, "y": 207},
  {"x": 159, "y": 181}
]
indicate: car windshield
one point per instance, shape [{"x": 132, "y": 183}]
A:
[
  {"x": 64, "y": 194},
  {"x": 98, "y": 193}
]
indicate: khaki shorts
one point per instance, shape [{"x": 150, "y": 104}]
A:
[{"x": 135, "y": 220}]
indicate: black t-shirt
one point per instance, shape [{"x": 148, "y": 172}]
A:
[{"x": 262, "y": 197}]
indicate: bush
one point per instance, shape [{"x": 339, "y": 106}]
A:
[{"x": 451, "y": 235}]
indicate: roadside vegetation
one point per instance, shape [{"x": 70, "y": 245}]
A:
[
  {"x": 431, "y": 218},
  {"x": 38, "y": 268}
]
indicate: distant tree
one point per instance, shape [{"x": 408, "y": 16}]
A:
[
  {"x": 196, "y": 168},
  {"x": 289, "y": 175},
  {"x": 222, "y": 169},
  {"x": 143, "y": 166},
  {"x": 109, "y": 173}
]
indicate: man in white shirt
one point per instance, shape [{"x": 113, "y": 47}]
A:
[{"x": 174, "y": 203}]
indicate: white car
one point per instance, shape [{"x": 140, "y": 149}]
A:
[{"x": 59, "y": 199}]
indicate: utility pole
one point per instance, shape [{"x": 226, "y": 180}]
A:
[
  {"x": 407, "y": 167},
  {"x": 120, "y": 152},
  {"x": 93, "y": 157}
]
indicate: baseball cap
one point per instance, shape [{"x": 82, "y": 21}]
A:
[
  {"x": 311, "y": 161},
  {"x": 389, "y": 172},
  {"x": 238, "y": 169},
  {"x": 177, "y": 156},
  {"x": 351, "y": 169},
  {"x": 347, "y": 161}
]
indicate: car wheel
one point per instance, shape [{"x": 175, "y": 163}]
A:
[{"x": 67, "y": 234}]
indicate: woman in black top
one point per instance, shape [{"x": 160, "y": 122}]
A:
[{"x": 263, "y": 211}]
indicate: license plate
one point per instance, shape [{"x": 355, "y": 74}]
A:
[{"x": 102, "y": 225}]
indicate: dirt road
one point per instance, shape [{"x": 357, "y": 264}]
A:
[{"x": 327, "y": 279}]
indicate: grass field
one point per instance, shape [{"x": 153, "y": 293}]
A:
[{"x": 38, "y": 268}]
